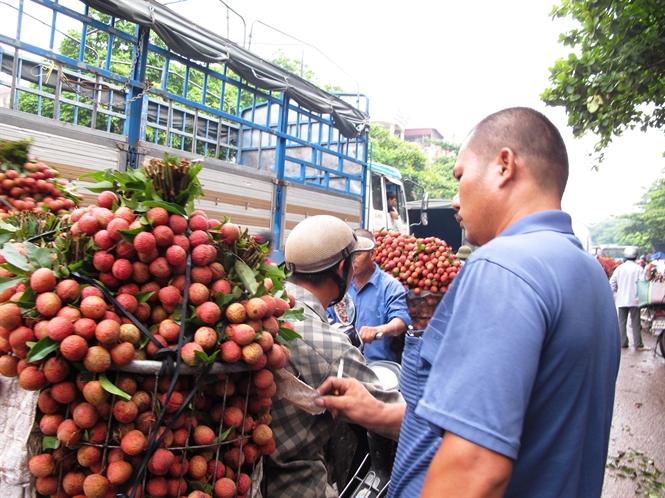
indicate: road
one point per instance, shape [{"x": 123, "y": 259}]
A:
[{"x": 638, "y": 426}]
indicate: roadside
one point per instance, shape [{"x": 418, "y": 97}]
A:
[{"x": 637, "y": 439}]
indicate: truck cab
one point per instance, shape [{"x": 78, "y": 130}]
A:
[{"x": 384, "y": 182}]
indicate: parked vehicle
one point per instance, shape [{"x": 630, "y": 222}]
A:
[
  {"x": 275, "y": 148},
  {"x": 441, "y": 222}
]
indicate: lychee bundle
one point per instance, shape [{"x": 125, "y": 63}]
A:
[
  {"x": 425, "y": 266},
  {"x": 136, "y": 279},
  {"x": 27, "y": 184}
]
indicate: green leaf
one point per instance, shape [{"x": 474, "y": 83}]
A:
[
  {"x": 293, "y": 315},
  {"x": 143, "y": 297},
  {"x": 110, "y": 387},
  {"x": 15, "y": 258},
  {"x": 8, "y": 283},
  {"x": 246, "y": 276},
  {"x": 171, "y": 208},
  {"x": 50, "y": 443},
  {"x": 129, "y": 235},
  {"x": 42, "y": 349},
  {"x": 39, "y": 257},
  {"x": 100, "y": 187},
  {"x": 226, "y": 433},
  {"x": 288, "y": 334},
  {"x": 223, "y": 299}
]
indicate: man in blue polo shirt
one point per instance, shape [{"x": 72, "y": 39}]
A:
[
  {"x": 510, "y": 390},
  {"x": 380, "y": 302}
]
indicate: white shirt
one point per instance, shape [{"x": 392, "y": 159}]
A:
[{"x": 624, "y": 283}]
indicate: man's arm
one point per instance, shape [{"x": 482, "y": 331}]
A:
[
  {"x": 393, "y": 328},
  {"x": 613, "y": 280},
  {"x": 462, "y": 468},
  {"x": 359, "y": 406}
]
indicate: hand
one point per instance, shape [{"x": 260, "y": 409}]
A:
[
  {"x": 354, "y": 399},
  {"x": 368, "y": 334}
]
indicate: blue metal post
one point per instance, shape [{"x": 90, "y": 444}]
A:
[
  {"x": 135, "y": 123},
  {"x": 280, "y": 164}
]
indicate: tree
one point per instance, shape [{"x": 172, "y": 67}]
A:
[
  {"x": 646, "y": 228},
  {"x": 433, "y": 175},
  {"x": 616, "y": 80}
]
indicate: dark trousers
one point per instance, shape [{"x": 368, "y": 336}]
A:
[{"x": 636, "y": 324}]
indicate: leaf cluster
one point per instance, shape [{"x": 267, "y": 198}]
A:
[{"x": 615, "y": 79}]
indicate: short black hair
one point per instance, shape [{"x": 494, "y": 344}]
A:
[
  {"x": 528, "y": 133},
  {"x": 391, "y": 195}
]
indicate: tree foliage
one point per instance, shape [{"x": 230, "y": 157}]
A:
[
  {"x": 616, "y": 78},
  {"x": 433, "y": 175},
  {"x": 646, "y": 228}
]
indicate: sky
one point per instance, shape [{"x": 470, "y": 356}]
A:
[{"x": 444, "y": 64}]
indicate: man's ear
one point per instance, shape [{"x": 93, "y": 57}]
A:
[{"x": 506, "y": 165}]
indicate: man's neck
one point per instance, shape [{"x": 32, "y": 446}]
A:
[{"x": 325, "y": 293}]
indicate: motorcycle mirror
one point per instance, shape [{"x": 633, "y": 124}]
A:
[{"x": 345, "y": 311}]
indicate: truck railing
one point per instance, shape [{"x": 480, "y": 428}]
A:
[{"x": 63, "y": 61}]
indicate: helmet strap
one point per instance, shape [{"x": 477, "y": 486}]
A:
[{"x": 341, "y": 281}]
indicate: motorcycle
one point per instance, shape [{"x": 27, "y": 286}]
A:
[{"x": 371, "y": 476}]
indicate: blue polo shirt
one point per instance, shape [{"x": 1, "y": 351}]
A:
[
  {"x": 521, "y": 357},
  {"x": 381, "y": 299}
]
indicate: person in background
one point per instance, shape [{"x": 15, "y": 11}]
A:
[
  {"x": 395, "y": 222},
  {"x": 319, "y": 253},
  {"x": 510, "y": 389},
  {"x": 624, "y": 282},
  {"x": 463, "y": 253},
  {"x": 380, "y": 302}
]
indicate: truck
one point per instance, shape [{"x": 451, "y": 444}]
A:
[
  {"x": 439, "y": 222},
  {"x": 99, "y": 85}
]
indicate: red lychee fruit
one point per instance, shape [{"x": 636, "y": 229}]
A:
[
  {"x": 47, "y": 485},
  {"x": 115, "y": 225},
  {"x": 20, "y": 336},
  {"x": 198, "y": 466},
  {"x": 252, "y": 353},
  {"x": 32, "y": 379},
  {"x": 268, "y": 448},
  {"x": 49, "y": 423},
  {"x": 160, "y": 268},
  {"x": 163, "y": 236},
  {"x": 235, "y": 313},
  {"x": 276, "y": 357},
  {"x": 69, "y": 433},
  {"x": 42, "y": 465},
  {"x": 85, "y": 415},
  {"x": 103, "y": 240},
  {"x": 265, "y": 341},
  {"x": 125, "y": 411},
  {"x": 94, "y": 393},
  {"x": 230, "y": 233},
  {"x": 225, "y": 488},
  {"x": 107, "y": 332},
  {"x": 203, "y": 435},
  {"x": 68, "y": 290},
  {"x": 233, "y": 416},
  {"x": 169, "y": 296},
  {"x": 48, "y": 304},
  {"x": 72, "y": 483},
  {"x": 208, "y": 312},
  {"x": 198, "y": 222},
  {"x": 127, "y": 301},
  {"x": 109, "y": 280},
  {"x": 234, "y": 458},
  {"x": 262, "y": 434},
  {"x": 46, "y": 403},
  {"x": 256, "y": 308},
  {"x": 85, "y": 328},
  {"x": 244, "y": 483},
  {"x": 122, "y": 354},
  {"x": 134, "y": 442},
  {"x": 59, "y": 328},
  {"x": 8, "y": 366},
  {"x": 89, "y": 290},
  {"x": 93, "y": 307},
  {"x": 270, "y": 324},
  {"x": 281, "y": 306},
  {"x": 88, "y": 455},
  {"x": 198, "y": 237},
  {"x": 64, "y": 392},
  {"x": 42, "y": 280},
  {"x": 56, "y": 369},
  {"x": 169, "y": 330},
  {"x": 106, "y": 199},
  {"x": 206, "y": 337},
  {"x": 152, "y": 348},
  {"x": 188, "y": 353},
  {"x": 214, "y": 224},
  {"x": 198, "y": 294},
  {"x": 96, "y": 486},
  {"x": 178, "y": 224},
  {"x": 118, "y": 472},
  {"x": 161, "y": 461},
  {"x": 176, "y": 255},
  {"x": 241, "y": 333},
  {"x": 203, "y": 255},
  {"x": 125, "y": 250},
  {"x": 88, "y": 224},
  {"x": 157, "y": 216},
  {"x": 263, "y": 379},
  {"x": 145, "y": 242},
  {"x": 97, "y": 359},
  {"x": 122, "y": 269},
  {"x": 10, "y": 316},
  {"x": 181, "y": 241},
  {"x": 201, "y": 274},
  {"x": 231, "y": 352}
]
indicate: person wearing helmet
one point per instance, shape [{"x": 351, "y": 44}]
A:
[
  {"x": 624, "y": 282},
  {"x": 319, "y": 256}
]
